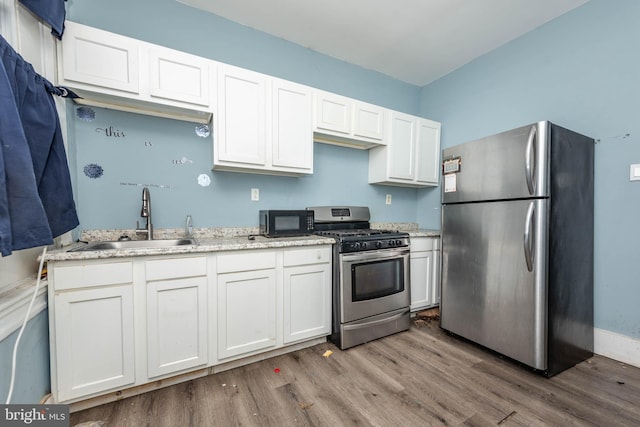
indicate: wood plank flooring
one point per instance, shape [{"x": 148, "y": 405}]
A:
[{"x": 421, "y": 377}]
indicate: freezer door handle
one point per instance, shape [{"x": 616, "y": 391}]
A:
[
  {"x": 529, "y": 233},
  {"x": 530, "y": 160}
]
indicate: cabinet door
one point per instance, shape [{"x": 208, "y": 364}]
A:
[
  {"x": 176, "y": 325},
  {"x": 333, "y": 113},
  {"x": 428, "y": 152},
  {"x": 94, "y": 341},
  {"x": 178, "y": 76},
  {"x": 368, "y": 121},
  {"x": 292, "y": 140},
  {"x": 421, "y": 280},
  {"x": 307, "y": 302},
  {"x": 246, "y": 312},
  {"x": 241, "y": 116},
  {"x": 402, "y": 147},
  {"x": 99, "y": 58}
]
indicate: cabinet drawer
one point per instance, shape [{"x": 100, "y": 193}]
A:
[
  {"x": 315, "y": 255},
  {"x": 246, "y": 261},
  {"x": 175, "y": 268},
  {"x": 82, "y": 276},
  {"x": 419, "y": 244}
]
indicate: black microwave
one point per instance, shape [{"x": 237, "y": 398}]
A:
[{"x": 278, "y": 223}]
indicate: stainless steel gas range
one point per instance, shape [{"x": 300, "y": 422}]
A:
[{"x": 370, "y": 275}]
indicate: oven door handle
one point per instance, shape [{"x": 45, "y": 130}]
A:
[
  {"x": 375, "y": 255},
  {"x": 368, "y": 324}
]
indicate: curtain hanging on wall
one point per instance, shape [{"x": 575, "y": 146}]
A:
[
  {"x": 36, "y": 199},
  {"x": 50, "y": 11}
]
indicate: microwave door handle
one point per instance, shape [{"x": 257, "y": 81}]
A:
[
  {"x": 529, "y": 232},
  {"x": 530, "y": 160}
]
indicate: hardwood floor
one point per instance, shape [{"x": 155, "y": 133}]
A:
[{"x": 417, "y": 378}]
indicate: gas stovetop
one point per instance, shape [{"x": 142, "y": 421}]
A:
[
  {"x": 350, "y": 226},
  {"x": 367, "y": 239},
  {"x": 366, "y": 232}
]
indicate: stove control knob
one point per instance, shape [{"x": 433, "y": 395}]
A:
[
  {"x": 356, "y": 246},
  {"x": 398, "y": 242},
  {"x": 378, "y": 244},
  {"x": 364, "y": 245}
]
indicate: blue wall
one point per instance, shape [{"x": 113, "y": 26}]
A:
[
  {"x": 32, "y": 370},
  {"x": 151, "y": 147},
  {"x": 168, "y": 156},
  {"x": 581, "y": 71}
]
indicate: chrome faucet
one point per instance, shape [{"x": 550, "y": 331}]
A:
[{"x": 146, "y": 213}]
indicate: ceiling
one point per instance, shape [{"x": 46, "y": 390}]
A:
[{"x": 415, "y": 41}]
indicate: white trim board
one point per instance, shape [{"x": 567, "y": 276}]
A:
[
  {"x": 616, "y": 346},
  {"x": 15, "y": 302}
]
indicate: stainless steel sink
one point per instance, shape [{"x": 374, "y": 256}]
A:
[{"x": 134, "y": 244}]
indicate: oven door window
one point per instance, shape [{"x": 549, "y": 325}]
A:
[{"x": 377, "y": 279}]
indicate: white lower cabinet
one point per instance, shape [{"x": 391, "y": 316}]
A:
[
  {"x": 425, "y": 272},
  {"x": 176, "y": 315},
  {"x": 246, "y": 312},
  {"x": 307, "y": 298},
  {"x": 92, "y": 341},
  {"x": 116, "y": 325}
]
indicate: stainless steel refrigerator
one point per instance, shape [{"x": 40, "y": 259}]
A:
[{"x": 517, "y": 245}]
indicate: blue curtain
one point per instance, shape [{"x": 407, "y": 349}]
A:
[
  {"x": 36, "y": 199},
  {"x": 50, "y": 11}
]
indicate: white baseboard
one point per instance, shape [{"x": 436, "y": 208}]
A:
[{"x": 616, "y": 346}]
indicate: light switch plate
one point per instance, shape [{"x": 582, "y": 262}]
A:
[
  {"x": 255, "y": 194},
  {"x": 634, "y": 173}
]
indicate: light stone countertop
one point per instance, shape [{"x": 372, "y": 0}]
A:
[
  {"x": 207, "y": 240},
  {"x": 204, "y": 245},
  {"x": 407, "y": 227},
  {"x": 421, "y": 232}
]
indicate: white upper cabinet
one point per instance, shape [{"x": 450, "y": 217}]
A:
[
  {"x": 292, "y": 139},
  {"x": 411, "y": 158},
  {"x": 242, "y": 114},
  {"x": 344, "y": 121},
  {"x": 368, "y": 121},
  {"x": 428, "y": 152},
  {"x": 99, "y": 58},
  {"x": 114, "y": 71},
  {"x": 179, "y": 76},
  {"x": 263, "y": 124},
  {"x": 333, "y": 114},
  {"x": 402, "y": 147}
]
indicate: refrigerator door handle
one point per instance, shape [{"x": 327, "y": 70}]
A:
[
  {"x": 529, "y": 241},
  {"x": 530, "y": 160}
]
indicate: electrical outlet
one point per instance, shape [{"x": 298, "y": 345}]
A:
[
  {"x": 388, "y": 199},
  {"x": 255, "y": 194}
]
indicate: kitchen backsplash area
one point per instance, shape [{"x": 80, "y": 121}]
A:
[{"x": 117, "y": 154}]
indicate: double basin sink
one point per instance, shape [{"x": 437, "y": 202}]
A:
[{"x": 135, "y": 244}]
